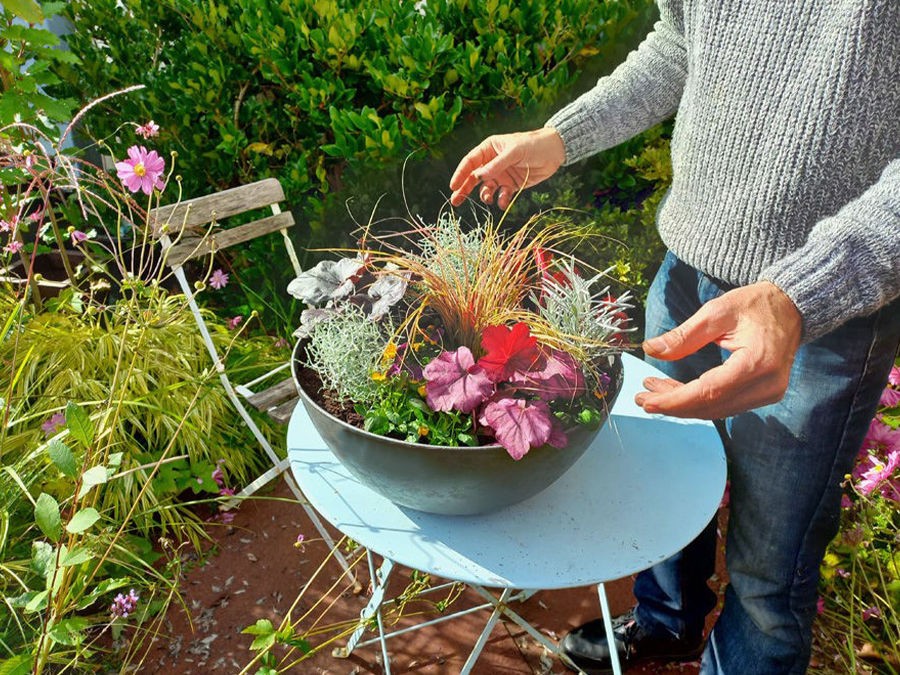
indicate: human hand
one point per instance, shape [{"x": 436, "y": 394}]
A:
[
  {"x": 759, "y": 325},
  {"x": 507, "y": 163}
]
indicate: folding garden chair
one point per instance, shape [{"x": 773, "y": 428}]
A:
[{"x": 194, "y": 229}]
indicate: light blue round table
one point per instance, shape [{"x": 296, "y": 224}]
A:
[{"x": 646, "y": 487}]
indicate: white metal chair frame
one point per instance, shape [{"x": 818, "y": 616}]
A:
[{"x": 192, "y": 229}]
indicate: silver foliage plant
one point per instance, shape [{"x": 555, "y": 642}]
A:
[
  {"x": 570, "y": 304},
  {"x": 346, "y": 349}
]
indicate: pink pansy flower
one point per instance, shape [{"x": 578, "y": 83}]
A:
[
  {"x": 234, "y": 322},
  {"x": 142, "y": 170},
  {"x": 148, "y": 130},
  {"x": 218, "y": 279}
]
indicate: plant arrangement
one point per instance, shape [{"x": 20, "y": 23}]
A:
[{"x": 448, "y": 335}]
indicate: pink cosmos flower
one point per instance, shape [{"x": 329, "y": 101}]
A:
[
  {"x": 879, "y": 472},
  {"x": 148, "y": 130},
  {"x": 890, "y": 398},
  {"x": 9, "y": 225},
  {"x": 218, "y": 279},
  {"x": 56, "y": 422},
  {"x": 894, "y": 377},
  {"x": 142, "y": 170},
  {"x": 234, "y": 322},
  {"x": 880, "y": 439},
  {"x": 13, "y": 246},
  {"x": 37, "y": 216}
]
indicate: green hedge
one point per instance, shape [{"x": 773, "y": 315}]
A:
[{"x": 297, "y": 89}]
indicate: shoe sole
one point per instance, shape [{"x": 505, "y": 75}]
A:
[{"x": 627, "y": 663}]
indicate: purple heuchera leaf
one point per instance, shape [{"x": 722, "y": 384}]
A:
[
  {"x": 329, "y": 280},
  {"x": 454, "y": 382},
  {"x": 520, "y": 425},
  {"x": 560, "y": 377}
]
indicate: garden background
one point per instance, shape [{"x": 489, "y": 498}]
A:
[{"x": 117, "y": 443}]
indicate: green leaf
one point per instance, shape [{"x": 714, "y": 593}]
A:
[
  {"x": 37, "y": 602},
  {"x": 82, "y": 520},
  {"x": 62, "y": 457},
  {"x": 76, "y": 556},
  {"x": 46, "y": 515},
  {"x": 25, "y": 9},
  {"x": 20, "y": 664},
  {"x": 69, "y": 631},
  {"x": 264, "y": 632},
  {"x": 96, "y": 475},
  {"x": 103, "y": 588},
  {"x": 79, "y": 424}
]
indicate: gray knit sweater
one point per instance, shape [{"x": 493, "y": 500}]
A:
[{"x": 786, "y": 149}]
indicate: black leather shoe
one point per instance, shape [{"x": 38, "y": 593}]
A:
[{"x": 588, "y": 650}]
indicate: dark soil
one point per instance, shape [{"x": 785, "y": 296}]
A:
[{"x": 327, "y": 399}]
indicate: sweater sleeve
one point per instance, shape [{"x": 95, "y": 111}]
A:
[
  {"x": 850, "y": 263},
  {"x": 644, "y": 90}
]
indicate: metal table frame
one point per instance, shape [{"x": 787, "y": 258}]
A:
[{"x": 651, "y": 483}]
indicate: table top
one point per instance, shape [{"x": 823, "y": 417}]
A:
[{"x": 644, "y": 489}]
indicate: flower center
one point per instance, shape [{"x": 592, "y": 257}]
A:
[{"x": 140, "y": 169}]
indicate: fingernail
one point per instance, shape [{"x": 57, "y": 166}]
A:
[{"x": 656, "y": 344}]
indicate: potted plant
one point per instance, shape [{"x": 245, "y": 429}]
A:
[{"x": 458, "y": 370}]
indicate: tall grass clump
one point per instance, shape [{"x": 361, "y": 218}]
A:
[{"x": 110, "y": 424}]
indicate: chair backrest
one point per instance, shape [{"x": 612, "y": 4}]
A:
[{"x": 196, "y": 227}]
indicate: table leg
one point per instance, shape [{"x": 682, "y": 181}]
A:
[
  {"x": 371, "y": 610},
  {"x": 607, "y": 624},
  {"x": 485, "y": 634}
]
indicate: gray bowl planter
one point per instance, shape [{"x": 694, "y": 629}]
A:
[{"x": 448, "y": 480}]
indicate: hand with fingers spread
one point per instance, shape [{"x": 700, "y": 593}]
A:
[
  {"x": 507, "y": 163},
  {"x": 761, "y": 328}
]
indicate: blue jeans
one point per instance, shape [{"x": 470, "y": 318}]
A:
[{"x": 786, "y": 462}]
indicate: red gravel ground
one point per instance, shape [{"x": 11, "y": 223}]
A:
[{"x": 255, "y": 571}]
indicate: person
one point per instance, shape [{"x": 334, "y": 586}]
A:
[{"x": 775, "y": 309}]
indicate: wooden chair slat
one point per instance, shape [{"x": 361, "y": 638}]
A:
[
  {"x": 220, "y": 205},
  {"x": 282, "y": 413},
  {"x": 198, "y": 246},
  {"x": 277, "y": 393}
]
